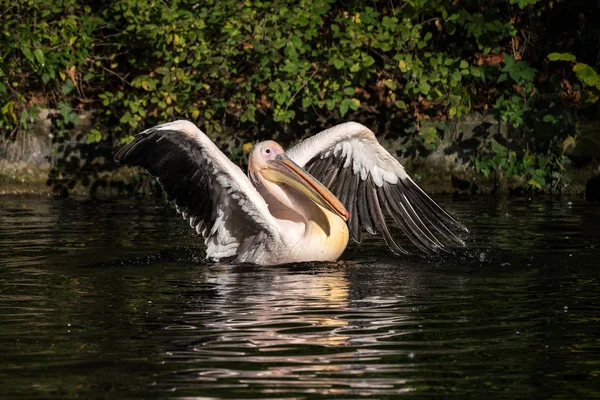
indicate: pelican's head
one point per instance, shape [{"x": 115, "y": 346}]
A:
[
  {"x": 267, "y": 162},
  {"x": 261, "y": 154}
]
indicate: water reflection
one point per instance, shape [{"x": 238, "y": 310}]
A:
[
  {"x": 286, "y": 329},
  {"x": 104, "y": 298}
]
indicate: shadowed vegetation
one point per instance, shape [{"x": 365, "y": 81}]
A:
[{"x": 284, "y": 68}]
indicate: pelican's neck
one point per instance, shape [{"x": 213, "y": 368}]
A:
[
  {"x": 314, "y": 234},
  {"x": 286, "y": 203}
]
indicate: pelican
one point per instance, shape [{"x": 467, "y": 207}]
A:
[{"x": 302, "y": 204}]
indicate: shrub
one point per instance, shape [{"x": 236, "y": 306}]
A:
[{"x": 257, "y": 66}]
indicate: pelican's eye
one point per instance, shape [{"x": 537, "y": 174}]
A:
[{"x": 269, "y": 153}]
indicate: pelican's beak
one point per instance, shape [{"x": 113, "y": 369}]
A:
[{"x": 283, "y": 170}]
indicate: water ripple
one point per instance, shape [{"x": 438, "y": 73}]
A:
[{"x": 105, "y": 298}]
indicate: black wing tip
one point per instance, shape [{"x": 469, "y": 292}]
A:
[
  {"x": 424, "y": 222},
  {"x": 424, "y": 198},
  {"x": 122, "y": 155}
]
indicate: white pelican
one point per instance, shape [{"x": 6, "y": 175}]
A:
[{"x": 281, "y": 213}]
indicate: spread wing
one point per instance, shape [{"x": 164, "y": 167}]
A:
[
  {"x": 371, "y": 183},
  {"x": 211, "y": 192}
]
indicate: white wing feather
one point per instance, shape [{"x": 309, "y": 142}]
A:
[
  {"x": 211, "y": 192},
  {"x": 349, "y": 160}
]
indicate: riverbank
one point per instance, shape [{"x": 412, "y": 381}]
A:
[{"x": 26, "y": 161}]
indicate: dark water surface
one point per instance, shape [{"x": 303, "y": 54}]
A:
[{"x": 112, "y": 300}]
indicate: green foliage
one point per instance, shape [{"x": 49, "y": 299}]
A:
[
  {"x": 245, "y": 61},
  {"x": 561, "y": 57},
  {"x": 523, "y": 3},
  {"x": 512, "y": 106},
  {"x": 520, "y": 72},
  {"x": 277, "y": 65},
  {"x": 429, "y": 137},
  {"x": 540, "y": 171},
  {"x": 586, "y": 75}
]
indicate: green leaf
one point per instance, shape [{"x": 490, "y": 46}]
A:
[
  {"x": 67, "y": 87},
  {"x": 27, "y": 52},
  {"x": 278, "y": 44},
  {"x": 586, "y": 74},
  {"x": 400, "y": 104},
  {"x": 344, "y": 107},
  {"x": 94, "y": 136},
  {"x": 280, "y": 98},
  {"x": 429, "y": 135},
  {"x": 337, "y": 63},
  {"x": 290, "y": 67},
  {"x": 368, "y": 61},
  {"x": 39, "y": 56},
  {"x": 561, "y": 57}
]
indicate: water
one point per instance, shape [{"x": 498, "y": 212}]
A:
[{"x": 113, "y": 300}]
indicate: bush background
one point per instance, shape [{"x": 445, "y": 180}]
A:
[{"x": 249, "y": 70}]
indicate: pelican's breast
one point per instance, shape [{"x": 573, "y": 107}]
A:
[{"x": 325, "y": 240}]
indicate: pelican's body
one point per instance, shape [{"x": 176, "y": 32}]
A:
[{"x": 284, "y": 210}]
